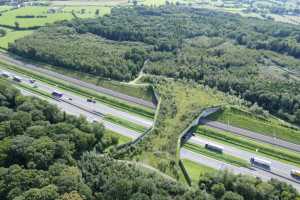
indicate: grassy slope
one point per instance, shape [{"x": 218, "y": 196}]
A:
[
  {"x": 247, "y": 144},
  {"x": 142, "y": 92},
  {"x": 195, "y": 169},
  {"x": 269, "y": 126},
  {"x": 121, "y": 139},
  {"x": 180, "y": 104}
]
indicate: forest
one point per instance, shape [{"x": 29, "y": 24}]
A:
[{"x": 251, "y": 58}]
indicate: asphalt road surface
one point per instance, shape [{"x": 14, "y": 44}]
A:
[
  {"x": 77, "y": 82},
  {"x": 277, "y": 167},
  {"x": 82, "y": 102},
  {"x": 198, "y": 158},
  {"x": 89, "y": 116},
  {"x": 252, "y": 135}
]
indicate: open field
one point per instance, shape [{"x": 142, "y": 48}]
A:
[
  {"x": 267, "y": 150},
  {"x": 9, "y": 18},
  {"x": 218, "y": 156},
  {"x": 267, "y": 126},
  {"x": 11, "y": 36},
  {"x": 89, "y": 3}
]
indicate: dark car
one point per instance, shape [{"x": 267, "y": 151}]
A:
[{"x": 91, "y": 100}]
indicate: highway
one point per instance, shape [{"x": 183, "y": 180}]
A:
[
  {"x": 80, "y": 101},
  {"x": 252, "y": 135},
  {"x": 198, "y": 158},
  {"x": 277, "y": 167},
  {"x": 75, "y": 81},
  {"x": 70, "y": 109},
  {"x": 89, "y": 116}
]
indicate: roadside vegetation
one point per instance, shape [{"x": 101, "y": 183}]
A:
[
  {"x": 181, "y": 103},
  {"x": 267, "y": 150},
  {"x": 195, "y": 170},
  {"x": 218, "y": 156},
  {"x": 146, "y": 112},
  {"x": 257, "y": 120},
  {"x": 125, "y": 123}
]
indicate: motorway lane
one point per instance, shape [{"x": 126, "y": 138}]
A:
[
  {"x": 89, "y": 116},
  {"x": 277, "y": 167},
  {"x": 77, "y": 82},
  {"x": 251, "y": 134},
  {"x": 82, "y": 102},
  {"x": 219, "y": 165}
]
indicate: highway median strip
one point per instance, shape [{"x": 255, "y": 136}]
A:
[
  {"x": 250, "y": 145},
  {"x": 218, "y": 156},
  {"x": 141, "y": 111}
]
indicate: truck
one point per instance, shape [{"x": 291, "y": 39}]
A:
[
  {"x": 261, "y": 163},
  {"x": 56, "y": 94},
  {"x": 295, "y": 173},
  {"x": 214, "y": 147}
]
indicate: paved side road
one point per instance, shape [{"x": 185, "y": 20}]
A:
[
  {"x": 252, "y": 135},
  {"x": 75, "y": 81}
]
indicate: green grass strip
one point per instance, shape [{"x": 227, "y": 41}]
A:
[
  {"x": 125, "y": 123},
  {"x": 265, "y": 149},
  {"x": 149, "y": 113},
  {"x": 218, "y": 156}
]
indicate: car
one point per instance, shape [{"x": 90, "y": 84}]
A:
[
  {"x": 70, "y": 99},
  {"x": 32, "y": 81},
  {"x": 91, "y": 100}
]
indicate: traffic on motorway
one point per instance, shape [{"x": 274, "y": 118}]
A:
[
  {"x": 86, "y": 103},
  {"x": 260, "y": 163}
]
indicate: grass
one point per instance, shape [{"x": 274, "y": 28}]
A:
[
  {"x": 195, "y": 169},
  {"x": 9, "y": 18},
  {"x": 267, "y": 150},
  {"x": 84, "y": 92},
  {"x": 142, "y": 92},
  {"x": 218, "y": 156},
  {"x": 11, "y": 36},
  {"x": 125, "y": 123},
  {"x": 268, "y": 126},
  {"x": 89, "y": 11},
  {"x": 121, "y": 139},
  {"x": 181, "y": 103}
]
